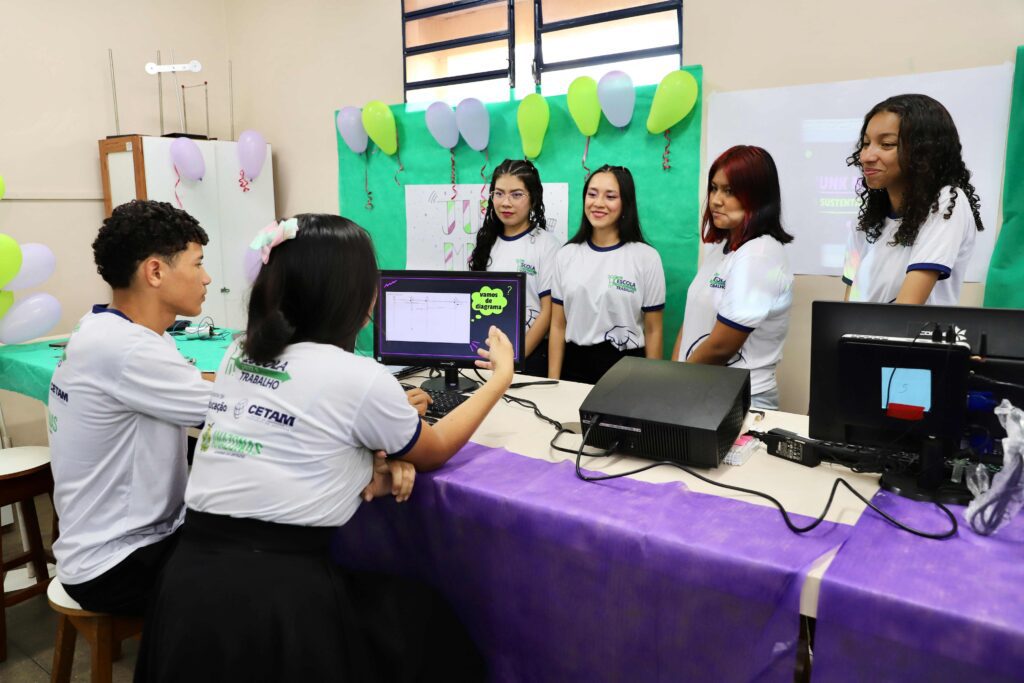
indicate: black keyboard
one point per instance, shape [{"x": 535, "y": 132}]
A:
[{"x": 444, "y": 403}]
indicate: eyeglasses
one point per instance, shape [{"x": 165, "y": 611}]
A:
[{"x": 515, "y": 196}]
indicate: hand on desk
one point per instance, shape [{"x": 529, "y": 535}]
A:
[
  {"x": 209, "y": 376},
  {"x": 419, "y": 399},
  {"x": 390, "y": 476}
]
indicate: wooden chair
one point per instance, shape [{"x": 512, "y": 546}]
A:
[
  {"x": 103, "y": 631},
  {"x": 24, "y": 474}
]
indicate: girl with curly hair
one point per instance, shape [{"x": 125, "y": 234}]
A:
[
  {"x": 514, "y": 237},
  {"x": 919, "y": 212}
]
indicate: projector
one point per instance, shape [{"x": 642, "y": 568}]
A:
[{"x": 663, "y": 410}]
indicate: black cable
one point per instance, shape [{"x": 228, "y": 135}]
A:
[{"x": 772, "y": 500}]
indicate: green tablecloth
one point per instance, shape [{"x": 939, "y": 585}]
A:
[{"x": 27, "y": 368}]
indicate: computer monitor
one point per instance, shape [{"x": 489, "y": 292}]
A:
[
  {"x": 919, "y": 378},
  {"x": 441, "y": 318}
]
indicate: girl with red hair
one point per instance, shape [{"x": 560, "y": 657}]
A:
[{"x": 737, "y": 307}]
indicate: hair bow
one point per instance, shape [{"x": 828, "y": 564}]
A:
[{"x": 272, "y": 235}]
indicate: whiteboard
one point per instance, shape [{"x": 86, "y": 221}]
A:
[
  {"x": 441, "y": 225},
  {"x": 811, "y": 129}
]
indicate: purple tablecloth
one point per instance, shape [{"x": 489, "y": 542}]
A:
[
  {"x": 895, "y": 607},
  {"x": 563, "y": 580}
]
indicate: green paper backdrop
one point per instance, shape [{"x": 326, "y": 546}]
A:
[
  {"x": 668, "y": 200},
  {"x": 1004, "y": 286}
]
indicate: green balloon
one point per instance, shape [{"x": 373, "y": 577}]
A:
[
  {"x": 533, "y": 117},
  {"x": 584, "y": 106},
  {"x": 6, "y": 299},
  {"x": 673, "y": 100},
  {"x": 379, "y": 123},
  {"x": 3, "y": 188},
  {"x": 10, "y": 259}
]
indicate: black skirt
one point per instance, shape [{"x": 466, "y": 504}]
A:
[
  {"x": 247, "y": 600},
  {"x": 589, "y": 363}
]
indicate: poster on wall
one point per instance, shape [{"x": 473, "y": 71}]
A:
[
  {"x": 441, "y": 226},
  {"x": 810, "y": 130}
]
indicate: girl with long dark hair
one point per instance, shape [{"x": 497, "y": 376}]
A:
[
  {"x": 608, "y": 291},
  {"x": 737, "y": 306},
  {"x": 919, "y": 212},
  {"x": 286, "y": 455},
  {"x": 514, "y": 237}
]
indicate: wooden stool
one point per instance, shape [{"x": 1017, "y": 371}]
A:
[
  {"x": 24, "y": 474},
  {"x": 103, "y": 631}
]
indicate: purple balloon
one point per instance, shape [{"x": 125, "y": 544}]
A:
[
  {"x": 31, "y": 317},
  {"x": 252, "y": 262},
  {"x": 37, "y": 264},
  {"x": 350, "y": 125},
  {"x": 617, "y": 96},
  {"x": 474, "y": 123},
  {"x": 441, "y": 124},
  {"x": 188, "y": 159},
  {"x": 252, "y": 152}
]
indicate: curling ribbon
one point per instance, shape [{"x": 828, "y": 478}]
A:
[
  {"x": 665, "y": 161},
  {"x": 242, "y": 182},
  {"x": 455, "y": 191},
  {"x": 586, "y": 150},
  {"x": 366, "y": 181},
  {"x": 178, "y": 182},
  {"x": 483, "y": 188}
]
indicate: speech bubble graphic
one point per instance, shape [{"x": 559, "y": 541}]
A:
[{"x": 488, "y": 301}]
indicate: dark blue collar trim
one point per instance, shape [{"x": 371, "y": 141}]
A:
[
  {"x": 611, "y": 248},
  {"x": 105, "y": 308},
  {"x": 521, "y": 235}
]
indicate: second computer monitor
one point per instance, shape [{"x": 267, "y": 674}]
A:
[{"x": 441, "y": 318}]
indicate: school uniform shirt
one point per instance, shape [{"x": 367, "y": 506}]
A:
[
  {"x": 291, "y": 441},
  {"x": 875, "y": 270},
  {"x": 606, "y": 291},
  {"x": 531, "y": 252},
  {"x": 751, "y": 290},
  {"x": 120, "y": 401}
]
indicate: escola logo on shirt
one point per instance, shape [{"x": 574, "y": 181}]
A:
[
  {"x": 622, "y": 284},
  {"x": 523, "y": 267},
  {"x": 717, "y": 282}
]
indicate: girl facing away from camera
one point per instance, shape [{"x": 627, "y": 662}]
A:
[
  {"x": 300, "y": 432},
  {"x": 514, "y": 238},
  {"x": 919, "y": 212},
  {"x": 737, "y": 306}
]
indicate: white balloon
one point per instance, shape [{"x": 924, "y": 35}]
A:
[
  {"x": 37, "y": 265},
  {"x": 29, "y": 318}
]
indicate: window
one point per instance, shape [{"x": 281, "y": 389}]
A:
[{"x": 482, "y": 49}]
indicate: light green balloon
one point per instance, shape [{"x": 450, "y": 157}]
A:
[
  {"x": 584, "y": 105},
  {"x": 3, "y": 188},
  {"x": 673, "y": 100},
  {"x": 379, "y": 123},
  {"x": 10, "y": 259},
  {"x": 533, "y": 117},
  {"x": 6, "y": 299}
]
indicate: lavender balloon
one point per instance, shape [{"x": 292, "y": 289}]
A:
[
  {"x": 252, "y": 152},
  {"x": 350, "y": 125},
  {"x": 441, "y": 124},
  {"x": 617, "y": 96},
  {"x": 188, "y": 159},
  {"x": 37, "y": 264},
  {"x": 474, "y": 123},
  {"x": 31, "y": 317},
  {"x": 252, "y": 262}
]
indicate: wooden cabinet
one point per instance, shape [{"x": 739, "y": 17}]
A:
[{"x": 139, "y": 167}]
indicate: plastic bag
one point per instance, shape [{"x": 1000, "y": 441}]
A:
[{"x": 995, "y": 503}]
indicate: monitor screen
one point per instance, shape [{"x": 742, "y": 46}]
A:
[{"x": 441, "y": 318}]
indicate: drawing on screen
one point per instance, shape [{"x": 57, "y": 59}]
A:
[{"x": 435, "y": 317}]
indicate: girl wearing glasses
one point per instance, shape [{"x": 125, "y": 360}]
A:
[
  {"x": 737, "y": 306},
  {"x": 608, "y": 290},
  {"x": 514, "y": 238},
  {"x": 919, "y": 212}
]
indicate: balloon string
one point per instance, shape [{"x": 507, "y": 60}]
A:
[
  {"x": 242, "y": 182},
  {"x": 483, "y": 188},
  {"x": 665, "y": 157},
  {"x": 178, "y": 182},
  {"x": 586, "y": 150},
  {"x": 455, "y": 191},
  {"x": 398, "y": 155},
  {"x": 366, "y": 181}
]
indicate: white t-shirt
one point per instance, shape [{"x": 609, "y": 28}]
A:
[
  {"x": 531, "y": 252},
  {"x": 750, "y": 289},
  {"x": 291, "y": 441},
  {"x": 606, "y": 291},
  {"x": 120, "y": 402},
  {"x": 875, "y": 270}
]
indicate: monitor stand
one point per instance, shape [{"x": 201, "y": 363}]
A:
[
  {"x": 930, "y": 482},
  {"x": 452, "y": 381}
]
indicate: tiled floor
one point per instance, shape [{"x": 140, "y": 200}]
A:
[{"x": 32, "y": 625}]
